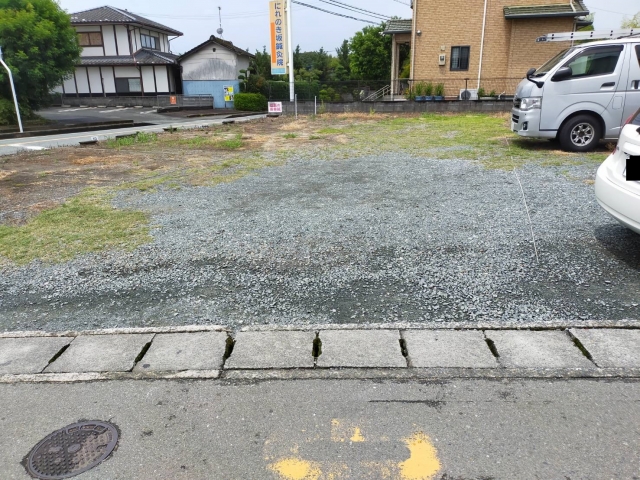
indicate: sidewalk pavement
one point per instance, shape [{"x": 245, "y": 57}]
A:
[{"x": 213, "y": 352}]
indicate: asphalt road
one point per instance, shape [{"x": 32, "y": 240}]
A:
[
  {"x": 340, "y": 429},
  {"x": 76, "y": 115},
  {"x": 10, "y": 146}
]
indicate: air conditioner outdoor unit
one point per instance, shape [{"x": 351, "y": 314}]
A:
[{"x": 468, "y": 94}]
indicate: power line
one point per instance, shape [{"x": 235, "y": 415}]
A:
[
  {"x": 332, "y": 13},
  {"x": 407, "y": 4},
  {"x": 338, "y": 4}
]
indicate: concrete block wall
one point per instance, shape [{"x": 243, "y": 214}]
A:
[{"x": 307, "y": 108}]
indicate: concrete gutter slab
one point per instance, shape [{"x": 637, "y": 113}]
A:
[
  {"x": 449, "y": 349},
  {"x": 175, "y": 352},
  {"x": 29, "y": 355},
  {"x": 100, "y": 353},
  {"x": 272, "y": 350},
  {"x": 537, "y": 349},
  {"x": 611, "y": 348},
  {"x": 361, "y": 348}
]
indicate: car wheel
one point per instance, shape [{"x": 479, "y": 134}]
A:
[{"x": 580, "y": 134}]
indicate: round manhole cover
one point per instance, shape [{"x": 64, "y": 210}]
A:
[{"x": 72, "y": 450}]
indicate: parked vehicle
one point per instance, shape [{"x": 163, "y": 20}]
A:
[
  {"x": 581, "y": 95},
  {"x": 616, "y": 191}
]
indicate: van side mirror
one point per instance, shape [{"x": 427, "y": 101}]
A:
[
  {"x": 530, "y": 72},
  {"x": 562, "y": 74}
]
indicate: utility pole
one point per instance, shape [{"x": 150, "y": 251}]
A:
[
  {"x": 13, "y": 90},
  {"x": 291, "y": 72}
]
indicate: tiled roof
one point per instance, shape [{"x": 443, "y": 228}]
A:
[
  {"x": 109, "y": 14},
  {"x": 575, "y": 8},
  {"x": 399, "y": 26},
  {"x": 219, "y": 41},
  {"x": 141, "y": 57}
]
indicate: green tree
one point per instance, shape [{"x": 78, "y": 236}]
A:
[
  {"x": 262, "y": 63},
  {"x": 633, "y": 22},
  {"x": 39, "y": 45},
  {"x": 343, "y": 53},
  {"x": 370, "y": 57}
]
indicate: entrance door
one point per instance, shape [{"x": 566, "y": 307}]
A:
[
  {"x": 632, "y": 101},
  {"x": 592, "y": 86}
]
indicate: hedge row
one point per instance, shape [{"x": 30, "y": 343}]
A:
[{"x": 250, "y": 102}]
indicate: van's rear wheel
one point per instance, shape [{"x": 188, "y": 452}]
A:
[{"x": 580, "y": 134}]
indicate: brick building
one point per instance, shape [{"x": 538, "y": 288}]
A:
[{"x": 492, "y": 50}]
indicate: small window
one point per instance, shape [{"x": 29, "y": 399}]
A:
[
  {"x": 150, "y": 42},
  {"x": 459, "y": 58},
  {"x": 90, "y": 39},
  {"x": 595, "y": 61},
  {"x": 128, "y": 85}
]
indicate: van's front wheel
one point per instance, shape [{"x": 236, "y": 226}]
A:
[{"x": 580, "y": 134}]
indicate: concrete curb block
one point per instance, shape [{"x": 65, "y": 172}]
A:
[
  {"x": 116, "y": 331},
  {"x": 108, "y": 376}
]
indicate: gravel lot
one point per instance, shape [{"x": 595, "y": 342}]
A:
[{"x": 365, "y": 240}]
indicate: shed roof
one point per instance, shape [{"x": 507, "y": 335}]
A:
[
  {"x": 398, "y": 25},
  {"x": 110, "y": 15},
  {"x": 574, "y": 8},
  {"x": 224, "y": 43}
]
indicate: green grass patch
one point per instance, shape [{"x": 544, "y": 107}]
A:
[
  {"x": 330, "y": 131},
  {"x": 290, "y": 135},
  {"x": 86, "y": 223},
  {"x": 138, "y": 138}
]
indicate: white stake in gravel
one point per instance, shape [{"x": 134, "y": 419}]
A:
[{"x": 524, "y": 199}]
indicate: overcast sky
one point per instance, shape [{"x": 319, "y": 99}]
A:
[{"x": 245, "y": 22}]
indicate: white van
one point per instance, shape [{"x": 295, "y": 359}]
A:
[{"x": 580, "y": 96}]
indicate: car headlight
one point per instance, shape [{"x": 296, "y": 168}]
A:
[{"x": 529, "y": 103}]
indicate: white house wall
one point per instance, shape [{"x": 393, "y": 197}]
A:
[
  {"x": 92, "y": 52},
  {"x": 109, "y": 40},
  {"x": 69, "y": 86},
  {"x": 127, "y": 72},
  {"x": 162, "y": 79},
  {"x": 95, "y": 82},
  {"x": 108, "y": 80},
  {"x": 148, "y": 80},
  {"x": 82, "y": 80},
  {"x": 209, "y": 65},
  {"x": 123, "y": 40}
]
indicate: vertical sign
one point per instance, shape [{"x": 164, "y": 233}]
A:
[
  {"x": 278, "y": 26},
  {"x": 228, "y": 93}
]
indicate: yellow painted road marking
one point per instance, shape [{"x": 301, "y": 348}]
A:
[
  {"x": 423, "y": 464},
  {"x": 296, "y": 469}
]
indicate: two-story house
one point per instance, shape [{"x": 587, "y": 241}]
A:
[
  {"x": 481, "y": 43},
  {"x": 123, "y": 54}
]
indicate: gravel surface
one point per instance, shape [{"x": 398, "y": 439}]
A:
[{"x": 367, "y": 240}]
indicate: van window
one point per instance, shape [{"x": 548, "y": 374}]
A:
[
  {"x": 595, "y": 61},
  {"x": 638, "y": 53},
  {"x": 544, "y": 69}
]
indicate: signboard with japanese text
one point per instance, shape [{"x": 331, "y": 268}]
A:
[
  {"x": 275, "y": 107},
  {"x": 228, "y": 93},
  {"x": 279, "y": 41}
]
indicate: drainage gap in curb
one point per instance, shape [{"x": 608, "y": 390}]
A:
[
  {"x": 492, "y": 346},
  {"x": 142, "y": 353},
  {"x": 576, "y": 341},
  {"x": 403, "y": 348},
  {"x": 317, "y": 346},
  {"x": 57, "y": 355},
  {"x": 228, "y": 349}
]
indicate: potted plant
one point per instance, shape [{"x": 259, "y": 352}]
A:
[
  {"x": 419, "y": 88},
  {"x": 438, "y": 92},
  {"x": 410, "y": 94},
  {"x": 482, "y": 94},
  {"x": 428, "y": 92}
]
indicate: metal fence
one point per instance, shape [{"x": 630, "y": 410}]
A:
[
  {"x": 377, "y": 90},
  {"x": 194, "y": 101},
  {"x": 498, "y": 87}
]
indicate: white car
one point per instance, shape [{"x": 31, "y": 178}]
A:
[{"x": 617, "y": 181}]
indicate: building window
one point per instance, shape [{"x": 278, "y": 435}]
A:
[
  {"x": 90, "y": 39},
  {"x": 150, "y": 42},
  {"x": 128, "y": 85},
  {"x": 459, "y": 58}
]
